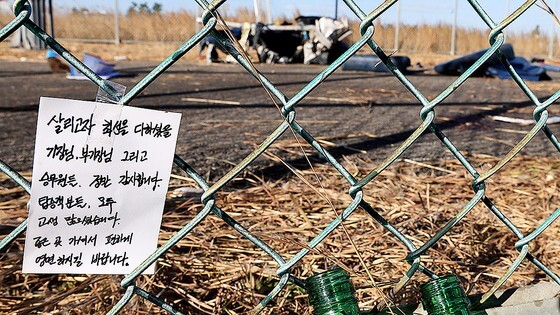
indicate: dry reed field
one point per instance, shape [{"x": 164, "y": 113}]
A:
[
  {"x": 179, "y": 26},
  {"x": 215, "y": 271},
  {"x": 437, "y": 39}
]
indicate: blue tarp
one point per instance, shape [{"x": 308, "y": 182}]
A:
[
  {"x": 493, "y": 67},
  {"x": 459, "y": 65},
  {"x": 523, "y": 67},
  {"x": 102, "y": 68},
  {"x": 547, "y": 67}
]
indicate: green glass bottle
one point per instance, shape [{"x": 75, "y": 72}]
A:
[
  {"x": 332, "y": 293},
  {"x": 445, "y": 296}
]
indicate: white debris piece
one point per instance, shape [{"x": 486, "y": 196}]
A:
[{"x": 525, "y": 122}]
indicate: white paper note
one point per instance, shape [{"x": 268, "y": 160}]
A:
[{"x": 100, "y": 176}]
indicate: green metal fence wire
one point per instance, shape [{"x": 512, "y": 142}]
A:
[{"x": 210, "y": 20}]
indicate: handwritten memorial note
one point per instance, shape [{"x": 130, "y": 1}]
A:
[{"x": 100, "y": 175}]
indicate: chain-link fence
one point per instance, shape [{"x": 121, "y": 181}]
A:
[{"x": 288, "y": 108}]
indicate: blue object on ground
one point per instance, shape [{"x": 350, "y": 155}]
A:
[
  {"x": 51, "y": 54},
  {"x": 102, "y": 68},
  {"x": 525, "y": 69},
  {"x": 548, "y": 67},
  {"x": 493, "y": 67},
  {"x": 459, "y": 65}
]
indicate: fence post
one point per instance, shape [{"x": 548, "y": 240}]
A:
[
  {"x": 257, "y": 8},
  {"x": 117, "y": 34},
  {"x": 454, "y": 29},
  {"x": 197, "y": 19},
  {"x": 268, "y": 12},
  {"x": 336, "y": 9},
  {"x": 51, "y": 19},
  {"x": 397, "y": 27},
  {"x": 38, "y": 16},
  {"x": 553, "y": 29}
]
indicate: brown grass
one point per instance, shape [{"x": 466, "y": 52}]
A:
[
  {"x": 425, "y": 38},
  {"x": 179, "y": 26},
  {"x": 215, "y": 271},
  {"x": 176, "y": 26}
]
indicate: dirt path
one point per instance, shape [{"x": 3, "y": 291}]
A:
[{"x": 355, "y": 113}]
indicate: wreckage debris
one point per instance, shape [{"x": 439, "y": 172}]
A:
[
  {"x": 313, "y": 40},
  {"x": 493, "y": 67}
]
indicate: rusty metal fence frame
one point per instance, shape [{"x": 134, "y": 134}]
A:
[{"x": 210, "y": 19}]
